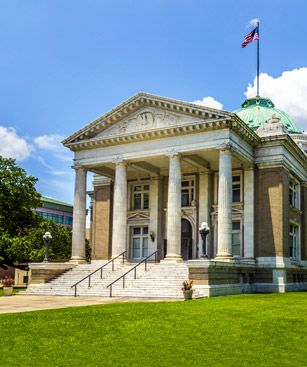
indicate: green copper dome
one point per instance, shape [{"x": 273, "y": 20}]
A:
[{"x": 256, "y": 111}]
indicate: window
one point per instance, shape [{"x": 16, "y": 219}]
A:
[
  {"x": 50, "y": 216},
  {"x": 187, "y": 192},
  {"x": 139, "y": 242},
  {"x": 68, "y": 221},
  {"x": 237, "y": 184},
  {"x": 140, "y": 197},
  {"x": 294, "y": 241},
  {"x": 294, "y": 194},
  {"x": 236, "y": 188},
  {"x": 236, "y": 238}
]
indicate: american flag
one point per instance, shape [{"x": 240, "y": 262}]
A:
[{"x": 250, "y": 37}]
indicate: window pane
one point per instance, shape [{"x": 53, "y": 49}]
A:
[
  {"x": 145, "y": 247},
  {"x": 185, "y": 198},
  {"x": 146, "y": 200},
  {"x": 145, "y": 230},
  {"x": 136, "y": 230},
  {"x": 146, "y": 187},
  {"x": 136, "y": 247},
  {"x": 137, "y": 201},
  {"x": 137, "y": 188},
  {"x": 236, "y": 195},
  {"x": 235, "y": 225},
  {"x": 235, "y": 178},
  {"x": 185, "y": 183},
  {"x": 236, "y": 244}
]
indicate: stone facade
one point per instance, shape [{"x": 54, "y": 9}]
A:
[{"x": 163, "y": 167}]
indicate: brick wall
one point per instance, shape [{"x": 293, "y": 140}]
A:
[
  {"x": 271, "y": 212},
  {"x": 102, "y": 222}
]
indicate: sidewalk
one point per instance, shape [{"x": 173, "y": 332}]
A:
[{"x": 21, "y": 303}]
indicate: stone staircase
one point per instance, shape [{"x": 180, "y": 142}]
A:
[{"x": 161, "y": 280}]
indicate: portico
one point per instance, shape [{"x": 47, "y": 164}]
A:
[{"x": 155, "y": 186}]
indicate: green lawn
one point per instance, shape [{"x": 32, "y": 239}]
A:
[{"x": 245, "y": 330}]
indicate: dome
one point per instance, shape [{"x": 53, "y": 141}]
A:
[{"x": 256, "y": 111}]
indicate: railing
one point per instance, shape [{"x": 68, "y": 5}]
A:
[
  {"x": 134, "y": 268},
  {"x": 101, "y": 269}
]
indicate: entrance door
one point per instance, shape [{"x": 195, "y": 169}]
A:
[
  {"x": 186, "y": 239},
  {"x": 139, "y": 242}
]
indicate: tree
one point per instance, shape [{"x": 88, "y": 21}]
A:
[
  {"x": 21, "y": 229},
  {"x": 18, "y": 197},
  {"x": 30, "y": 245}
]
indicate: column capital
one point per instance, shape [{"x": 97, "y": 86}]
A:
[
  {"x": 77, "y": 167},
  {"x": 250, "y": 167},
  {"x": 119, "y": 161},
  {"x": 172, "y": 153},
  {"x": 225, "y": 146}
]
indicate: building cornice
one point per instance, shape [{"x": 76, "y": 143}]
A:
[
  {"x": 208, "y": 125},
  {"x": 288, "y": 143},
  {"x": 135, "y": 103}
]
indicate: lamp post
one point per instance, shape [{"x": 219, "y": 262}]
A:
[
  {"x": 47, "y": 238},
  {"x": 204, "y": 229}
]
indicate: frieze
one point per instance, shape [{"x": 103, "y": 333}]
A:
[{"x": 146, "y": 120}]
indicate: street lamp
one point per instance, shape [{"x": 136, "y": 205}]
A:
[
  {"x": 47, "y": 238},
  {"x": 204, "y": 229}
]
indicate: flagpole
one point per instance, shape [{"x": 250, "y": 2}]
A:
[{"x": 258, "y": 60}]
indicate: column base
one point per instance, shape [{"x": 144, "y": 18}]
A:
[
  {"x": 173, "y": 257},
  {"x": 78, "y": 260},
  {"x": 224, "y": 257}
]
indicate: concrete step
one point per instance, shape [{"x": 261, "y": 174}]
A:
[{"x": 161, "y": 280}]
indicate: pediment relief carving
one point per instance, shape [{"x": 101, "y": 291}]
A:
[
  {"x": 147, "y": 119},
  {"x": 138, "y": 216}
]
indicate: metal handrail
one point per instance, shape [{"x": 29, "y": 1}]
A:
[
  {"x": 134, "y": 268},
  {"x": 95, "y": 271}
]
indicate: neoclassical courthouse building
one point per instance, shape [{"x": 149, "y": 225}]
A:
[{"x": 163, "y": 166}]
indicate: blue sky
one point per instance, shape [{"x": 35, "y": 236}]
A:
[{"x": 65, "y": 62}]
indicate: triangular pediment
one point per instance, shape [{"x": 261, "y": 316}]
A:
[
  {"x": 138, "y": 216},
  {"x": 147, "y": 119},
  {"x": 144, "y": 113}
]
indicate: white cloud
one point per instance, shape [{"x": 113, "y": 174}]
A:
[
  {"x": 64, "y": 157},
  {"x": 288, "y": 92},
  {"x": 253, "y": 22},
  {"x": 52, "y": 143},
  {"x": 49, "y": 142},
  {"x": 210, "y": 102},
  {"x": 12, "y": 145},
  {"x": 60, "y": 173}
]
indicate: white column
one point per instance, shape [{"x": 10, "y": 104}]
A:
[
  {"x": 120, "y": 207},
  {"x": 203, "y": 207},
  {"x": 224, "y": 238},
  {"x": 174, "y": 209},
  {"x": 154, "y": 214},
  {"x": 79, "y": 215},
  {"x": 249, "y": 213}
]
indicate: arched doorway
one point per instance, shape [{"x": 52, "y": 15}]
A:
[{"x": 186, "y": 239}]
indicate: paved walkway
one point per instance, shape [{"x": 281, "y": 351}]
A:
[{"x": 21, "y": 303}]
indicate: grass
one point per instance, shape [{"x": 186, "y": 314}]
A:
[{"x": 243, "y": 330}]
